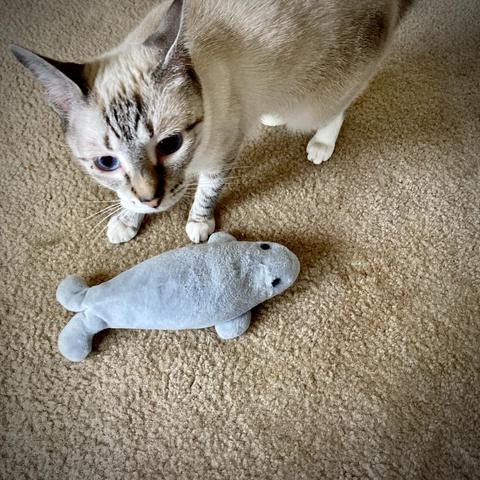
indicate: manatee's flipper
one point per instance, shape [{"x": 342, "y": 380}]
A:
[
  {"x": 75, "y": 340},
  {"x": 234, "y": 328},
  {"x": 221, "y": 237},
  {"x": 71, "y": 292}
]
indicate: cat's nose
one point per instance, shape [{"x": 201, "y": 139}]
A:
[{"x": 154, "y": 203}]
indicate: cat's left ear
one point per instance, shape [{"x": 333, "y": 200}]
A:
[{"x": 168, "y": 32}]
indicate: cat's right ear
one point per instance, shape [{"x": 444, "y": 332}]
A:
[{"x": 64, "y": 83}]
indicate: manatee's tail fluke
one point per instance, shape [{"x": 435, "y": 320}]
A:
[{"x": 71, "y": 292}]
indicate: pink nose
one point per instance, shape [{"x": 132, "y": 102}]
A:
[{"x": 151, "y": 203}]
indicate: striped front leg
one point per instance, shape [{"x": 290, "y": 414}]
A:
[{"x": 201, "y": 222}]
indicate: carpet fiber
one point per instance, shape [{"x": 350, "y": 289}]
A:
[{"x": 367, "y": 368}]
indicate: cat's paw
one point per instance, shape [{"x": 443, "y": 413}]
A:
[
  {"x": 120, "y": 232},
  {"x": 199, "y": 231},
  {"x": 318, "y": 152}
]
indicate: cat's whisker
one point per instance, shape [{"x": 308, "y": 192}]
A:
[
  {"x": 241, "y": 177},
  {"x": 236, "y": 167},
  {"x": 97, "y": 201},
  {"x": 227, "y": 181},
  {"x": 109, "y": 205},
  {"x": 91, "y": 234},
  {"x": 194, "y": 188},
  {"x": 103, "y": 210},
  {"x": 106, "y": 217},
  {"x": 95, "y": 238}
]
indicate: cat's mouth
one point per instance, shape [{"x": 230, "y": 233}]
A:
[{"x": 168, "y": 201}]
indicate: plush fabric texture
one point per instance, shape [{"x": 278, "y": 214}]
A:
[
  {"x": 367, "y": 367},
  {"x": 199, "y": 286}
]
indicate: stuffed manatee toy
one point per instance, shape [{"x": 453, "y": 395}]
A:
[{"x": 198, "y": 286}]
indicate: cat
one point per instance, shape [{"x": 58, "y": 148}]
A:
[{"x": 175, "y": 100}]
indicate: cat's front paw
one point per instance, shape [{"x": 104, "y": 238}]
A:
[
  {"x": 121, "y": 231},
  {"x": 199, "y": 230},
  {"x": 318, "y": 152}
]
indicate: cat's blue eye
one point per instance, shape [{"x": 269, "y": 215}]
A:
[
  {"x": 108, "y": 163},
  {"x": 169, "y": 145}
]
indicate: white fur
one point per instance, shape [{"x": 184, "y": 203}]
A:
[
  {"x": 320, "y": 148},
  {"x": 123, "y": 226},
  {"x": 200, "y": 231},
  {"x": 272, "y": 120}
]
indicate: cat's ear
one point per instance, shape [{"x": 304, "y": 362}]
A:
[
  {"x": 64, "y": 83},
  {"x": 168, "y": 32}
]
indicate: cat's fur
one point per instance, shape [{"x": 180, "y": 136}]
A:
[{"x": 212, "y": 70}]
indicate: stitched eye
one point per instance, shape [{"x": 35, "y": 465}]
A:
[
  {"x": 275, "y": 282},
  {"x": 107, "y": 164},
  {"x": 265, "y": 246},
  {"x": 169, "y": 145}
]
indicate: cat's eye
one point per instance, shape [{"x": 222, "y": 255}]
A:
[
  {"x": 169, "y": 145},
  {"x": 107, "y": 163}
]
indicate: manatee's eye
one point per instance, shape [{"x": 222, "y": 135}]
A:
[
  {"x": 265, "y": 246},
  {"x": 169, "y": 145},
  {"x": 275, "y": 282},
  {"x": 107, "y": 164}
]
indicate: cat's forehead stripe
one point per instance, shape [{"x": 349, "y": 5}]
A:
[
  {"x": 114, "y": 130},
  {"x": 107, "y": 141},
  {"x": 123, "y": 115}
]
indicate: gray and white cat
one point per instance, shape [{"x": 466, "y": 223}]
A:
[{"x": 174, "y": 102}]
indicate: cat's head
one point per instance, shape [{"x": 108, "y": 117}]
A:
[{"x": 133, "y": 117}]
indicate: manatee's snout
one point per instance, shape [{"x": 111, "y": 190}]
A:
[{"x": 281, "y": 266}]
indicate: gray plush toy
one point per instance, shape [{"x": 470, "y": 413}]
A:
[{"x": 214, "y": 284}]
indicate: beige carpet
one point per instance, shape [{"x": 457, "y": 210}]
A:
[{"x": 369, "y": 367}]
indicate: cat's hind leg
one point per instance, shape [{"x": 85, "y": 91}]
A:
[{"x": 320, "y": 148}]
